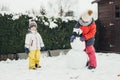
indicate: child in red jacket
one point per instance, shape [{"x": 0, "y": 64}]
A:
[{"x": 88, "y": 27}]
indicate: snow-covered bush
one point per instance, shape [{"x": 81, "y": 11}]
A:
[{"x": 55, "y": 32}]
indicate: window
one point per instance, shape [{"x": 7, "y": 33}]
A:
[{"x": 117, "y": 11}]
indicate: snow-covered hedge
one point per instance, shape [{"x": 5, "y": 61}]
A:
[{"x": 54, "y": 31}]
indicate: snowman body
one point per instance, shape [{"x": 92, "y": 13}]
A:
[{"x": 76, "y": 57}]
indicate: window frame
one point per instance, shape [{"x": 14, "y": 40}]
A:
[{"x": 117, "y": 11}]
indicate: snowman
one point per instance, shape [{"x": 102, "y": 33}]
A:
[{"x": 76, "y": 57}]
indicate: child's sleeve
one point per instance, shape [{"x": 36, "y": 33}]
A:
[
  {"x": 76, "y": 30},
  {"x": 27, "y": 41}
]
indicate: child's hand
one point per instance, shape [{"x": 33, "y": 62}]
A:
[
  {"x": 42, "y": 48},
  {"x": 27, "y": 50},
  {"x": 72, "y": 38},
  {"x": 82, "y": 38}
]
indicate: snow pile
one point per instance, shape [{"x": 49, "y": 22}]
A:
[{"x": 76, "y": 59}]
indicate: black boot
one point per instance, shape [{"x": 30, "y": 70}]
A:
[
  {"x": 87, "y": 63},
  {"x": 36, "y": 65},
  {"x": 91, "y": 67}
]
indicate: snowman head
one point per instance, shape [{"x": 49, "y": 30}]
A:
[{"x": 77, "y": 44}]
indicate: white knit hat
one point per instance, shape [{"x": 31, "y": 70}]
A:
[{"x": 87, "y": 16}]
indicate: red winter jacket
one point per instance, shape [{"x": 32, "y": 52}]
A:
[{"x": 88, "y": 31}]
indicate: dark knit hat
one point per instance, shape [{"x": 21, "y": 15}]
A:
[{"x": 32, "y": 23}]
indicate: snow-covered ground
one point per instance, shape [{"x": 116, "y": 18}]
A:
[
  {"x": 64, "y": 67},
  {"x": 55, "y": 68}
]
